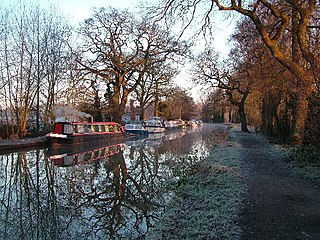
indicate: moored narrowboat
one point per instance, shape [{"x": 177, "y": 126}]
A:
[{"x": 76, "y": 132}]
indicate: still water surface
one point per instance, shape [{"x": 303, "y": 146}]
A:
[{"x": 95, "y": 192}]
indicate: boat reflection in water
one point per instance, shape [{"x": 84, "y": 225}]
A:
[
  {"x": 111, "y": 198},
  {"x": 66, "y": 159},
  {"x": 113, "y": 191},
  {"x": 155, "y": 139}
]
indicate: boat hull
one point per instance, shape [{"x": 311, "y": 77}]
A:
[
  {"x": 80, "y": 132},
  {"x": 134, "y": 131},
  {"x": 151, "y": 129},
  {"x": 55, "y": 139}
]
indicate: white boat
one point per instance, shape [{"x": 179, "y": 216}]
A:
[
  {"x": 199, "y": 122},
  {"x": 193, "y": 123},
  {"x": 171, "y": 124},
  {"x": 135, "y": 128},
  {"x": 155, "y": 125},
  {"x": 180, "y": 123}
]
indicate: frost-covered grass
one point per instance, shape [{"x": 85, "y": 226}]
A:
[
  {"x": 306, "y": 161},
  {"x": 207, "y": 203}
]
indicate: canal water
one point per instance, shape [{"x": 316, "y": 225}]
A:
[{"x": 96, "y": 191}]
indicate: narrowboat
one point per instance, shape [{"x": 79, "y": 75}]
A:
[
  {"x": 180, "y": 123},
  {"x": 77, "y": 132},
  {"x": 171, "y": 124},
  {"x": 192, "y": 123},
  {"x": 155, "y": 125}
]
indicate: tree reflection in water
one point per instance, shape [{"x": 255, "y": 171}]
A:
[{"x": 117, "y": 197}]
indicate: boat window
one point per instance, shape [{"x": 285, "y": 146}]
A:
[
  {"x": 102, "y": 128},
  {"x": 79, "y": 128},
  {"x": 76, "y": 160},
  {"x": 96, "y": 153},
  {"x": 95, "y": 128},
  {"x": 87, "y": 128},
  {"x": 112, "y": 149},
  {"x": 67, "y": 128},
  {"x": 87, "y": 156},
  {"x": 81, "y": 158},
  {"x": 75, "y": 128},
  {"x": 111, "y": 128},
  {"x": 103, "y": 152}
]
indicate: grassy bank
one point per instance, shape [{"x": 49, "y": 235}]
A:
[{"x": 207, "y": 203}]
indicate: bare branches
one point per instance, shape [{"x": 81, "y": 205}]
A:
[
  {"x": 122, "y": 51},
  {"x": 34, "y": 59}
]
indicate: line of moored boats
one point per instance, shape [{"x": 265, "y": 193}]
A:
[
  {"x": 73, "y": 132},
  {"x": 158, "y": 125}
]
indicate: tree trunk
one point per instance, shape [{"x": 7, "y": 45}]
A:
[
  {"x": 243, "y": 118},
  {"x": 143, "y": 114},
  {"x": 241, "y": 106},
  {"x": 119, "y": 102},
  {"x": 299, "y": 118},
  {"x": 270, "y": 104},
  {"x": 132, "y": 111},
  {"x": 156, "y": 101}
]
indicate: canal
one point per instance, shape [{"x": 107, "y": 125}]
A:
[{"x": 110, "y": 191}]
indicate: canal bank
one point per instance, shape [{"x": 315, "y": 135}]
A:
[
  {"x": 20, "y": 144},
  {"x": 242, "y": 190},
  {"x": 208, "y": 202}
]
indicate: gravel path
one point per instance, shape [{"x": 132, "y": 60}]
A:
[{"x": 278, "y": 204}]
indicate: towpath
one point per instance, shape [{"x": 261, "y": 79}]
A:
[{"x": 278, "y": 203}]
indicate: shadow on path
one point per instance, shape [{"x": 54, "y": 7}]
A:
[{"x": 278, "y": 203}]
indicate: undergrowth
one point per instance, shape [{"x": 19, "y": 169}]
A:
[{"x": 306, "y": 160}]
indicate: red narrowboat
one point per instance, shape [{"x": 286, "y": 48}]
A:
[{"x": 77, "y": 132}]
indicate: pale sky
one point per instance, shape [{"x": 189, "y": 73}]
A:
[{"x": 78, "y": 10}]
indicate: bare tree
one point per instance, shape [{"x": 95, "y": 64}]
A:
[
  {"x": 237, "y": 85},
  {"x": 32, "y": 48},
  {"x": 273, "y": 20},
  {"x": 272, "y": 81},
  {"x": 178, "y": 105},
  {"x": 120, "y": 51},
  {"x": 154, "y": 85}
]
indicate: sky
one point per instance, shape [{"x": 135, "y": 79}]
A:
[{"x": 78, "y": 10}]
